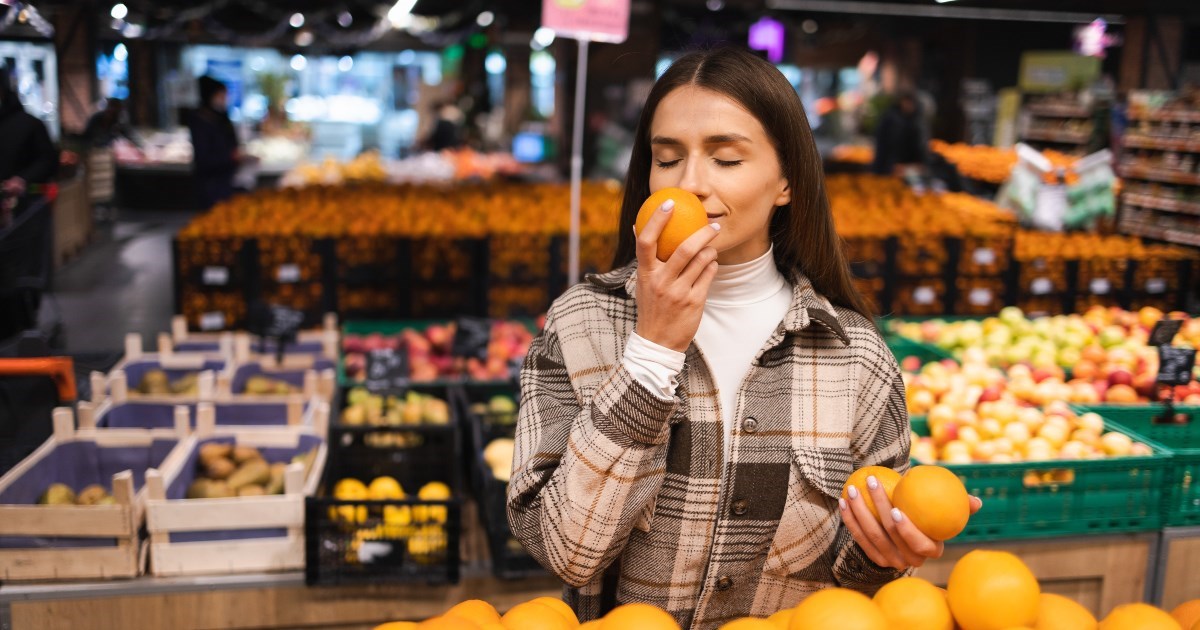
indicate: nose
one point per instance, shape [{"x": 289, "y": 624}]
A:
[{"x": 694, "y": 178}]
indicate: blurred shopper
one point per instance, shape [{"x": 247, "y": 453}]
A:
[
  {"x": 27, "y": 156},
  {"x": 901, "y": 138},
  {"x": 103, "y": 128},
  {"x": 215, "y": 151},
  {"x": 447, "y": 131}
]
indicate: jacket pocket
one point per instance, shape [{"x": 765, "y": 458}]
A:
[{"x": 810, "y": 520}]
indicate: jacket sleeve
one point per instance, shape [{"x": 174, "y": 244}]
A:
[
  {"x": 43, "y": 162},
  {"x": 881, "y": 438},
  {"x": 585, "y": 467}
]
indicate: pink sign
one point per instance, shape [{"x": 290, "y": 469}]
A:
[{"x": 593, "y": 20}]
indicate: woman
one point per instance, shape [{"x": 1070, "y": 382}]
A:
[
  {"x": 686, "y": 427},
  {"x": 215, "y": 152}
]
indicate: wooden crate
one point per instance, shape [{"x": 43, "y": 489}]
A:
[
  {"x": 166, "y": 516},
  {"x": 244, "y": 346},
  {"x": 121, "y": 381},
  {"x": 311, "y": 382},
  {"x": 283, "y": 411},
  {"x": 1178, "y": 579},
  {"x": 119, "y": 523}
]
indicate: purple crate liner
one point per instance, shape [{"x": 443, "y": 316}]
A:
[
  {"x": 293, "y": 377},
  {"x": 157, "y": 415},
  {"x": 80, "y": 464},
  {"x": 178, "y": 490},
  {"x": 303, "y": 347},
  {"x": 135, "y": 371}
]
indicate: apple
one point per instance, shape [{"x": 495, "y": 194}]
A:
[
  {"x": 1074, "y": 450},
  {"x": 924, "y": 452},
  {"x": 910, "y": 364},
  {"x": 991, "y": 393},
  {"x": 990, "y": 428},
  {"x": 1055, "y": 434},
  {"x": 940, "y": 414},
  {"x": 956, "y": 448},
  {"x": 1002, "y": 458},
  {"x": 1116, "y": 444},
  {"x": 984, "y": 450},
  {"x": 969, "y": 435},
  {"x": 1120, "y": 377},
  {"x": 1140, "y": 450},
  {"x": 1091, "y": 421}
]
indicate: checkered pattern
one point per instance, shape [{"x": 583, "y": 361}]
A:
[{"x": 625, "y": 497}]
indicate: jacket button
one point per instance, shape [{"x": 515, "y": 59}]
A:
[
  {"x": 740, "y": 506},
  {"x": 750, "y": 425},
  {"x": 724, "y": 583}
]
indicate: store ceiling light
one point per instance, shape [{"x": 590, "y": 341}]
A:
[
  {"x": 400, "y": 15},
  {"x": 345, "y": 19},
  {"x": 304, "y": 38},
  {"x": 810, "y": 26},
  {"x": 132, "y": 31},
  {"x": 120, "y": 52},
  {"x": 544, "y": 36},
  {"x": 485, "y": 19},
  {"x": 299, "y": 62},
  {"x": 119, "y": 11},
  {"x": 345, "y": 64},
  {"x": 297, "y": 20},
  {"x": 715, "y": 5},
  {"x": 494, "y": 63}
]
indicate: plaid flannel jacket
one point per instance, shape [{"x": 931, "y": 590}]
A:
[{"x": 624, "y": 496}]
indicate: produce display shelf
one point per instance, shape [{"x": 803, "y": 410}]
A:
[
  {"x": 1161, "y": 143},
  {"x": 1162, "y": 203},
  {"x": 1180, "y": 237},
  {"x": 1061, "y": 137},
  {"x": 1059, "y": 111},
  {"x": 1157, "y": 175},
  {"x": 1165, "y": 115}
]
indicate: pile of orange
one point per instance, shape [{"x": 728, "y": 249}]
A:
[
  {"x": 989, "y": 164},
  {"x": 880, "y": 206},
  {"x": 853, "y": 154}
]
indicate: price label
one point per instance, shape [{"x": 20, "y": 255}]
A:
[
  {"x": 1100, "y": 286},
  {"x": 1164, "y": 332},
  {"x": 212, "y": 321},
  {"x": 984, "y": 256},
  {"x": 216, "y": 276},
  {"x": 471, "y": 337},
  {"x": 980, "y": 297},
  {"x": 287, "y": 274},
  {"x": 1156, "y": 285},
  {"x": 1175, "y": 365},
  {"x": 1041, "y": 286},
  {"x": 388, "y": 369},
  {"x": 924, "y": 295}
]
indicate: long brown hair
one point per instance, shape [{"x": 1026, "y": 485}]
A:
[{"x": 802, "y": 231}]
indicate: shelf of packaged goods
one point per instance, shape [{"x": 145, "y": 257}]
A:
[
  {"x": 1137, "y": 141},
  {"x": 1165, "y": 115},
  {"x": 1061, "y": 137},
  {"x": 1179, "y": 237},
  {"x": 1059, "y": 111},
  {"x": 1162, "y": 203},
  {"x": 1160, "y": 175}
]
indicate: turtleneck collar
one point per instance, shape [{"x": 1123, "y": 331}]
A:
[{"x": 747, "y": 283}]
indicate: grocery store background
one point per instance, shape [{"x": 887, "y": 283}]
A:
[{"x": 1019, "y": 231}]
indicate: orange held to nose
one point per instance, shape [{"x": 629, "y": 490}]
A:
[{"x": 688, "y": 217}]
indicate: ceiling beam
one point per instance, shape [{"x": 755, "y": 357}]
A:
[{"x": 939, "y": 11}]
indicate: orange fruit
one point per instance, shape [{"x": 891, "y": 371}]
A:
[
  {"x": 534, "y": 616},
  {"x": 594, "y": 624},
  {"x": 476, "y": 610},
  {"x": 992, "y": 590},
  {"x": 935, "y": 500},
  {"x": 915, "y": 604},
  {"x": 560, "y": 607},
  {"x": 839, "y": 608},
  {"x": 688, "y": 217},
  {"x": 397, "y": 625},
  {"x": 748, "y": 623},
  {"x": 887, "y": 477},
  {"x": 1187, "y": 613},
  {"x": 447, "y": 623},
  {"x": 492, "y": 626},
  {"x": 640, "y": 616},
  {"x": 1138, "y": 617},
  {"x": 1056, "y": 612},
  {"x": 782, "y": 619}
]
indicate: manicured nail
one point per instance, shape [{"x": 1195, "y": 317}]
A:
[
  {"x": 872, "y": 482},
  {"x": 667, "y": 205},
  {"x": 842, "y": 504},
  {"x": 978, "y": 501},
  {"x": 896, "y": 515},
  {"x": 715, "y": 226},
  {"x": 853, "y": 492}
]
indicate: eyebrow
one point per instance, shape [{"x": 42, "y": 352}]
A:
[{"x": 725, "y": 138}]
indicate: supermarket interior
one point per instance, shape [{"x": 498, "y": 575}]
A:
[{"x": 327, "y": 314}]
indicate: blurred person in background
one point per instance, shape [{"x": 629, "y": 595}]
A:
[
  {"x": 447, "y": 130},
  {"x": 27, "y": 156},
  {"x": 215, "y": 152},
  {"x": 901, "y": 138},
  {"x": 103, "y": 128}
]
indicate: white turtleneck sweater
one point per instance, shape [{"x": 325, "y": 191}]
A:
[{"x": 745, "y": 304}]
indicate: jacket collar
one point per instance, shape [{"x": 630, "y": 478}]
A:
[{"x": 808, "y": 306}]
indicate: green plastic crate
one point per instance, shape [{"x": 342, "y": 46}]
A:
[
  {"x": 1099, "y": 496},
  {"x": 1181, "y": 495},
  {"x": 903, "y": 348}
]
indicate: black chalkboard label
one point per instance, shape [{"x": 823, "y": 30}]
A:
[
  {"x": 471, "y": 337},
  {"x": 1164, "y": 331},
  {"x": 387, "y": 370},
  {"x": 1175, "y": 365}
]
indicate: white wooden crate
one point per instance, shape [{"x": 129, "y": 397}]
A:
[
  {"x": 241, "y": 344},
  {"x": 297, "y": 410},
  {"x": 120, "y": 522},
  {"x": 166, "y": 516}
]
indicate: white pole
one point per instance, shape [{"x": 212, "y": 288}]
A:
[{"x": 577, "y": 162}]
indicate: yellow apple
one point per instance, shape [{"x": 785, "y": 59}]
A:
[
  {"x": 1074, "y": 450},
  {"x": 1140, "y": 450},
  {"x": 1091, "y": 421},
  {"x": 1116, "y": 444},
  {"x": 1017, "y": 433},
  {"x": 1055, "y": 434},
  {"x": 1086, "y": 436},
  {"x": 1002, "y": 458}
]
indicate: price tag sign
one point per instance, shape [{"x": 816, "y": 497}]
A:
[
  {"x": 1041, "y": 286},
  {"x": 471, "y": 337},
  {"x": 924, "y": 295},
  {"x": 980, "y": 297},
  {"x": 287, "y": 274},
  {"x": 1164, "y": 332},
  {"x": 215, "y": 276},
  {"x": 1156, "y": 285},
  {"x": 212, "y": 321},
  {"x": 272, "y": 321},
  {"x": 1100, "y": 286},
  {"x": 984, "y": 256},
  {"x": 1175, "y": 365},
  {"x": 388, "y": 370}
]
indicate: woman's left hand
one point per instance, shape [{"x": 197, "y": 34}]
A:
[{"x": 895, "y": 543}]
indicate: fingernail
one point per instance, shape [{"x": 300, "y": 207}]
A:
[
  {"x": 980, "y": 501},
  {"x": 842, "y": 504},
  {"x": 715, "y": 226},
  {"x": 667, "y": 205},
  {"x": 896, "y": 515},
  {"x": 872, "y": 483},
  {"x": 853, "y": 492}
]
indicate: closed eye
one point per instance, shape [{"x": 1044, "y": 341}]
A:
[
  {"x": 727, "y": 163},
  {"x": 662, "y": 164}
]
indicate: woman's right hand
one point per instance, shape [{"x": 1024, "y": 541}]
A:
[{"x": 671, "y": 294}]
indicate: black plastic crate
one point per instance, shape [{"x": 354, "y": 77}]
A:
[
  {"x": 509, "y": 558},
  {"x": 394, "y": 540}
]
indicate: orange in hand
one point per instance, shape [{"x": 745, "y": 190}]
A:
[{"x": 688, "y": 217}]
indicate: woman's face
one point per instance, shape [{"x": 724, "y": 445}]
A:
[{"x": 709, "y": 145}]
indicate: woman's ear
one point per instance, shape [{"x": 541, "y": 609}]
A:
[{"x": 785, "y": 195}]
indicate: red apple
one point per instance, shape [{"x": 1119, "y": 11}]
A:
[
  {"x": 1120, "y": 376},
  {"x": 991, "y": 393},
  {"x": 1085, "y": 370},
  {"x": 910, "y": 364}
]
